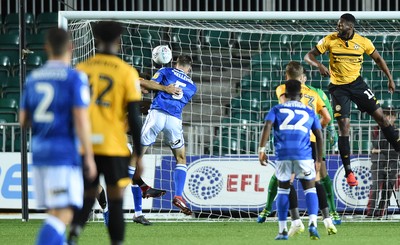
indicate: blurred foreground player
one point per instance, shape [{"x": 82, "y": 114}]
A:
[
  {"x": 54, "y": 103},
  {"x": 115, "y": 99}
]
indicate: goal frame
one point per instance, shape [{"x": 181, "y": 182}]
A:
[{"x": 65, "y": 16}]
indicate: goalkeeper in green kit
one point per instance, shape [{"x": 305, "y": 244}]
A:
[{"x": 323, "y": 178}]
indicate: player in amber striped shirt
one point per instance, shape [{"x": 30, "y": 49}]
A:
[{"x": 115, "y": 93}]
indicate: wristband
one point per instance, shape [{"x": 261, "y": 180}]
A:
[{"x": 261, "y": 149}]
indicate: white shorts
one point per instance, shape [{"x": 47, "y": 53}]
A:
[
  {"x": 159, "y": 121},
  {"x": 303, "y": 169},
  {"x": 58, "y": 186}
]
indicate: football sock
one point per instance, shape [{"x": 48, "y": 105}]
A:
[
  {"x": 282, "y": 226},
  {"x": 323, "y": 203},
  {"x": 282, "y": 203},
  {"x": 293, "y": 198},
  {"x": 392, "y": 137},
  {"x": 52, "y": 232},
  {"x": 321, "y": 195},
  {"x": 83, "y": 214},
  {"x": 80, "y": 218},
  {"x": 330, "y": 194},
  {"x": 131, "y": 171},
  {"x": 139, "y": 181},
  {"x": 312, "y": 220},
  {"x": 136, "y": 193},
  {"x": 272, "y": 191},
  {"x": 294, "y": 214},
  {"x": 311, "y": 201},
  {"x": 293, "y": 204},
  {"x": 327, "y": 222},
  {"x": 179, "y": 178},
  {"x": 101, "y": 198},
  {"x": 344, "y": 150},
  {"x": 137, "y": 199},
  {"x": 116, "y": 226}
]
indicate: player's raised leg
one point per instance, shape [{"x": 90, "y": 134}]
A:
[
  {"x": 146, "y": 191},
  {"x": 390, "y": 133}
]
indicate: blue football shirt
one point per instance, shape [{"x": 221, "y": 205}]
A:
[
  {"x": 50, "y": 94},
  {"x": 292, "y": 124},
  {"x": 173, "y": 104}
]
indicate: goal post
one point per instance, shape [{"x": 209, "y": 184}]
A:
[{"x": 238, "y": 60}]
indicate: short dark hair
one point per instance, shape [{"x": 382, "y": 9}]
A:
[
  {"x": 294, "y": 69},
  {"x": 184, "y": 60},
  {"x": 107, "y": 31},
  {"x": 58, "y": 40},
  {"x": 293, "y": 88},
  {"x": 349, "y": 18}
]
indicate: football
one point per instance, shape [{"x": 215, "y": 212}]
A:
[{"x": 162, "y": 54}]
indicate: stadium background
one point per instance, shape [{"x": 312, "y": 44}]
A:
[{"x": 230, "y": 139}]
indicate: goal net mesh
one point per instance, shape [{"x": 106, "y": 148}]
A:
[{"x": 237, "y": 64}]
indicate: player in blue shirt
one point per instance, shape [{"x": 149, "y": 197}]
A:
[
  {"x": 54, "y": 103},
  {"x": 137, "y": 193},
  {"x": 292, "y": 123},
  {"x": 165, "y": 115}
]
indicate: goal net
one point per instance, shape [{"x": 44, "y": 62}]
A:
[{"x": 238, "y": 61}]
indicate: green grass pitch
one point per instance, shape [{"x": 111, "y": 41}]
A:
[{"x": 218, "y": 232}]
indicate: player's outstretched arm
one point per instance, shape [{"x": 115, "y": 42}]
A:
[
  {"x": 383, "y": 66},
  {"x": 151, "y": 85},
  {"x": 311, "y": 59},
  {"x": 82, "y": 127},
  {"x": 262, "y": 156}
]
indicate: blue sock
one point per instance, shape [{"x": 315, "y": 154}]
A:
[
  {"x": 179, "y": 178},
  {"x": 137, "y": 199},
  {"x": 52, "y": 232},
  {"x": 282, "y": 203},
  {"x": 312, "y": 201},
  {"x": 131, "y": 171}
]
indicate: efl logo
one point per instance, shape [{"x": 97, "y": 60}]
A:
[
  {"x": 206, "y": 182},
  {"x": 227, "y": 182},
  {"x": 240, "y": 182},
  {"x": 10, "y": 179}
]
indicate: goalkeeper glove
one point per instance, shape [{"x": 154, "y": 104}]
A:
[{"x": 332, "y": 135}]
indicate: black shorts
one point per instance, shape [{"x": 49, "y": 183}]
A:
[
  {"x": 114, "y": 170},
  {"x": 358, "y": 92}
]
